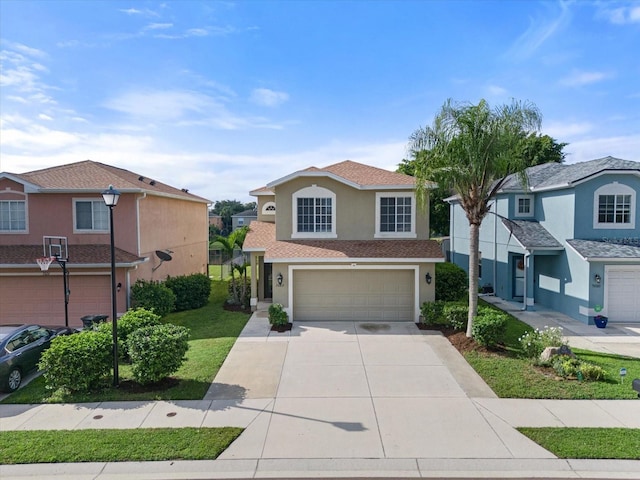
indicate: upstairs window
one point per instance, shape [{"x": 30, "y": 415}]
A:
[
  {"x": 269, "y": 208},
  {"x": 314, "y": 213},
  {"x": 524, "y": 206},
  {"x": 90, "y": 216},
  {"x": 614, "y": 207},
  {"x": 395, "y": 215},
  {"x": 13, "y": 216}
]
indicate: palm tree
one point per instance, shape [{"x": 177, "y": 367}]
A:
[
  {"x": 229, "y": 244},
  {"x": 471, "y": 149}
]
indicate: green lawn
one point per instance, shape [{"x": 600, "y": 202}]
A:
[
  {"x": 213, "y": 333},
  {"x": 618, "y": 443},
  {"x": 141, "y": 444},
  {"x": 510, "y": 375}
]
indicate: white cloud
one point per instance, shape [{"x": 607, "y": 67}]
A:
[
  {"x": 539, "y": 31},
  {"x": 134, "y": 11},
  {"x": 626, "y": 147},
  {"x": 162, "y": 105},
  {"x": 497, "y": 91},
  {"x": 580, "y": 78},
  {"x": 43, "y": 116},
  {"x": 621, "y": 15},
  {"x": 268, "y": 98},
  {"x": 565, "y": 129},
  {"x": 158, "y": 26}
]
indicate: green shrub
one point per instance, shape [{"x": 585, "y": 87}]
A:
[
  {"x": 593, "y": 372},
  {"x": 431, "y": 313},
  {"x": 157, "y": 351},
  {"x": 154, "y": 296},
  {"x": 489, "y": 328},
  {"x": 128, "y": 323},
  {"x": 240, "y": 292},
  {"x": 77, "y": 363},
  {"x": 535, "y": 341},
  {"x": 277, "y": 315},
  {"x": 566, "y": 366},
  {"x": 452, "y": 282},
  {"x": 191, "y": 291},
  {"x": 456, "y": 315}
]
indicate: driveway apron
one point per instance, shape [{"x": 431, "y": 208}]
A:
[{"x": 358, "y": 390}]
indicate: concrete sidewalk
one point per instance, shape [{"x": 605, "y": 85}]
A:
[{"x": 340, "y": 399}]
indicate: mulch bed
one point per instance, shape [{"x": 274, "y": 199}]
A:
[
  {"x": 458, "y": 339},
  {"x": 281, "y": 328},
  {"x": 134, "y": 387},
  {"x": 236, "y": 308}
]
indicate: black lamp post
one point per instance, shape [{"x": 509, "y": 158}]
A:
[{"x": 111, "y": 197}]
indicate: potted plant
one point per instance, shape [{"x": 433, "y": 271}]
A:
[
  {"x": 600, "y": 321},
  {"x": 278, "y": 318}
]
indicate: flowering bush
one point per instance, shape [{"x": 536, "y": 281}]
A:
[
  {"x": 535, "y": 341},
  {"x": 277, "y": 315}
]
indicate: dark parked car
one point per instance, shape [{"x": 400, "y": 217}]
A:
[{"x": 20, "y": 349}]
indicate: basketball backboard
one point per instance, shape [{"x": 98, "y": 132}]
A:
[{"x": 53, "y": 246}]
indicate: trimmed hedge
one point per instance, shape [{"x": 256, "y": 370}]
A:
[
  {"x": 277, "y": 315},
  {"x": 152, "y": 295},
  {"x": 77, "y": 363},
  {"x": 157, "y": 351},
  {"x": 452, "y": 282},
  {"x": 191, "y": 291},
  {"x": 128, "y": 323},
  {"x": 489, "y": 328}
]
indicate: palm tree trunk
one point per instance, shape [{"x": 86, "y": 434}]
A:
[{"x": 474, "y": 241}]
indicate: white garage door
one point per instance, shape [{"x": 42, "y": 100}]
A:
[
  {"x": 369, "y": 295},
  {"x": 623, "y": 297},
  {"x": 40, "y": 298}
]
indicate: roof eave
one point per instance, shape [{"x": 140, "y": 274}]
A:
[{"x": 353, "y": 260}]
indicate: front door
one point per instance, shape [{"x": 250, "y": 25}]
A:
[
  {"x": 268, "y": 280},
  {"x": 518, "y": 276}
]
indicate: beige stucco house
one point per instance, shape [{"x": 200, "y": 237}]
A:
[
  {"x": 66, "y": 201},
  {"x": 344, "y": 242}
]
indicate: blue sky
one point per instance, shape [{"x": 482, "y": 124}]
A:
[{"x": 222, "y": 97}]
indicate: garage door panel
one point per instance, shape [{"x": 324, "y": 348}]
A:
[
  {"x": 623, "y": 301},
  {"x": 351, "y": 295}
]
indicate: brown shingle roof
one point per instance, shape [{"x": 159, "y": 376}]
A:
[
  {"x": 364, "y": 176},
  {"x": 90, "y": 175},
  {"x": 25, "y": 255},
  {"x": 261, "y": 236}
]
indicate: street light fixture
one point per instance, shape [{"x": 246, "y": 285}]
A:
[{"x": 111, "y": 197}]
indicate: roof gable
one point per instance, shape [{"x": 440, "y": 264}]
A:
[{"x": 354, "y": 174}]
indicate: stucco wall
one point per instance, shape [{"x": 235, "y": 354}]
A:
[
  {"x": 354, "y": 210},
  {"x": 177, "y": 225}
]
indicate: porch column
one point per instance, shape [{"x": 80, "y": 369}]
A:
[
  {"x": 254, "y": 282},
  {"x": 529, "y": 286}
]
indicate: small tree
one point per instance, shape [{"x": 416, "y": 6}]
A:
[{"x": 470, "y": 150}]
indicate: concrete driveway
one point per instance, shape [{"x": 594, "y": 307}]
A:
[{"x": 358, "y": 390}]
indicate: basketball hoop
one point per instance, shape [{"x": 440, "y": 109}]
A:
[{"x": 44, "y": 263}]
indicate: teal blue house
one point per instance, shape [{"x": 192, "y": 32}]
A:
[{"x": 569, "y": 242}]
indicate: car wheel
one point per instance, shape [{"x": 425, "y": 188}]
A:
[{"x": 14, "y": 379}]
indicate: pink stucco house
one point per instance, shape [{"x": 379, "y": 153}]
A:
[{"x": 66, "y": 201}]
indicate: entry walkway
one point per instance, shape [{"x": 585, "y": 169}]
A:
[
  {"x": 616, "y": 338},
  {"x": 343, "y": 399}
]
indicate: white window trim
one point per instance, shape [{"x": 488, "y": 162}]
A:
[
  {"x": 614, "y": 188},
  {"x": 313, "y": 191},
  {"x": 80, "y": 230},
  {"x": 26, "y": 214},
  {"x": 531, "y": 212},
  {"x": 266, "y": 206},
  {"x": 412, "y": 233}
]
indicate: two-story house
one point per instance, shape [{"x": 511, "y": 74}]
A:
[
  {"x": 344, "y": 242},
  {"x": 570, "y": 241},
  {"x": 159, "y": 231},
  {"x": 243, "y": 219}
]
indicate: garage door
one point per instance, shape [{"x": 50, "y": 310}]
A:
[
  {"x": 369, "y": 295},
  {"x": 623, "y": 302},
  {"x": 40, "y": 299}
]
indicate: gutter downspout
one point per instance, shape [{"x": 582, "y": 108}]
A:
[{"x": 495, "y": 250}]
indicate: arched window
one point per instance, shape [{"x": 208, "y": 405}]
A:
[
  {"x": 614, "y": 207},
  {"x": 314, "y": 213},
  {"x": 269, "y": 208}
]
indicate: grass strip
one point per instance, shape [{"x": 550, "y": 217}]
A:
[
  {"x": 588, "y": 443},
  {"x": 142, "y": 444}
]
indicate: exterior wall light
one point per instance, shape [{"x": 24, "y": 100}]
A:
[
  {"x": 427, "y": 277},
  {"x": 279, "y": 279},
  {"x": 597, "y": 279}
]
